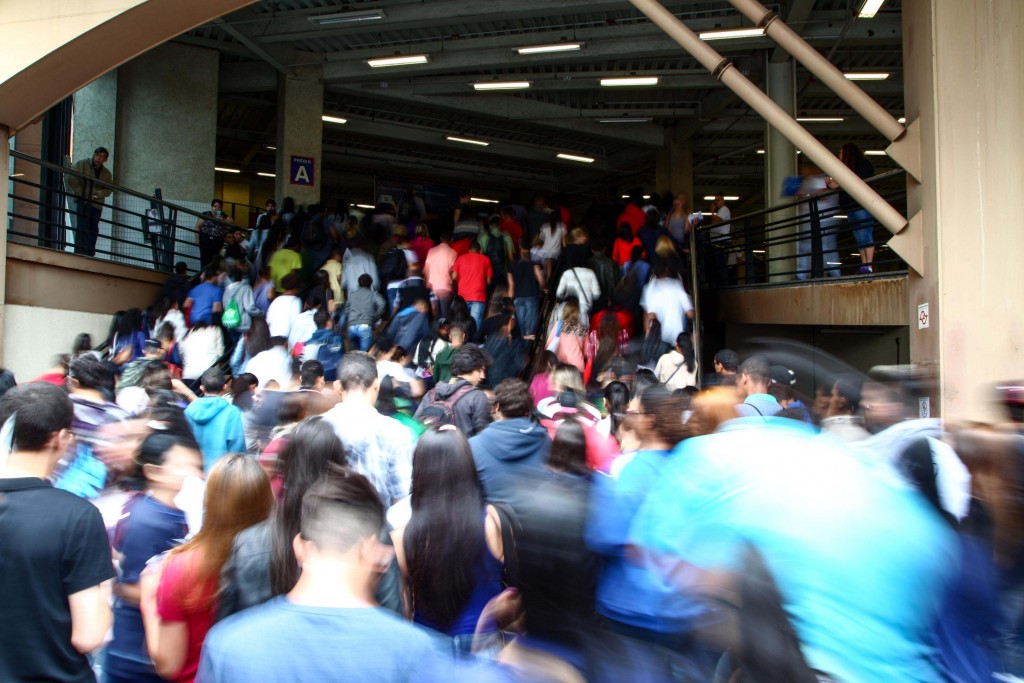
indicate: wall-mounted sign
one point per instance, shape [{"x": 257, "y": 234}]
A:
[{"x": 302, "y": 171}]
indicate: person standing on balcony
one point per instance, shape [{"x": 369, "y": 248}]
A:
[
  {"x": 860, "y": 220},
  {"x": 719, "y": 234},
  {"x": 211, "y": 231},
  {"x": 89, "y": 198}
]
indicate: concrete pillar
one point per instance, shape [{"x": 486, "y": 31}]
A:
[
  {"x": 964, "y": 84},
  {"x": 95, "y": 119},
  {"x": 779, "y": 162},
  {"x": 300, "y": 134},
  {"x": 674, "y": 166},
  {"x": 5, "y": 160}
]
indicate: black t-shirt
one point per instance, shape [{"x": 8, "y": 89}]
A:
[
  {"x": 52, "y": 545},
  {"x": 524, "y": 277}
]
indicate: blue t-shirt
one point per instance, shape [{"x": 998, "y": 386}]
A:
[
  {"x": 280, "y": 641},
  {"x": 862, "y": 562},
  {"x": 204, "y": 296},
  {"x": 147, "y": 528},
  {"x": 629, "y": 592}
]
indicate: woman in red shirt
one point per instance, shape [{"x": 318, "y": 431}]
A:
[
  {"x": 624, "y": 244},
  {"x": 179, "y": 601}
]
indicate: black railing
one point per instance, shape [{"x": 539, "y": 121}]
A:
[
  {"x": 811, "y": 238},
  {"x": 132, "y": 228}
]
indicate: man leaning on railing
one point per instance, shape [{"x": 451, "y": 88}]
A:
[{"x": 89, "y": 198}]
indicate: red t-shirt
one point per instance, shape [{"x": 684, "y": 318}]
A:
[
  {"x": 633, "y": 215},
  {"x": 473, "y": 270},
  {"x": 174, "y": 602},
  {"x": 623, "y": 250},
  {"x": 515, "y": 231}
]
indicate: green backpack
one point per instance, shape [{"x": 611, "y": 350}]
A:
[{"x": 232, "y": 317}]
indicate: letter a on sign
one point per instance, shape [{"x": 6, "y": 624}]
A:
[{"x": 301, "y": 171}]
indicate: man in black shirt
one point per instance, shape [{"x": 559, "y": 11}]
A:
[{"x": 55, "y": 564}]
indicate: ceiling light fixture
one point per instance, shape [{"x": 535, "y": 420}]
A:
[
  {"x": 874, "y": 153},
  {"x": 266, "y": 175},
  {"x": 365, "y": 206},
  {"x": 760, "y": 151},
  {"x": 400, "y": 60},
  {"x": 226, "y": 170},
  {"x": 902, "y": 119},
  {"x": 501, "y": 85},
  {"x": 625, "y": 120},
  {"x": 347, "y": 17},
  {"x": 468, "y": 141},
  {"x": 867, "y": 75},
  {"x": 575, "y": 157},
  {"x": 333, "y": 119},
  {"x": 732, "y": 33},
  {"x": 760, "y": 251},
  {"x": 541, "y": 49},
  {"x": 870, "y": 8},
  {"x": 820, "y": 119},
  {"x": 728, "y": 198},
  {"x": 839, "y": 215},
  {"x": 633, "y": 80},
  {"x": 271, "y": 147},
  {"x": 485, "y": 201}
]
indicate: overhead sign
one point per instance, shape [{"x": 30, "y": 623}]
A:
[{"x": 302, "y": 171}]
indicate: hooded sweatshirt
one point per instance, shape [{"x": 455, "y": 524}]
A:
[
  {"x": 472, "y": 411},
  {"x": 507, "y": 450},
  {"x": 217, "y": 426}
]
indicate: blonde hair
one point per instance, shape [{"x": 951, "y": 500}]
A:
[
  {"x": 422, "y": 230},
  {"x": 571, "y": 312},
  {"x": 238, "y": 495},
  {"x": 664, "y": 246},
  {"x": 710, "y": 408}
]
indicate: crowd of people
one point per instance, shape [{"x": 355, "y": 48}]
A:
[{"x": 330, "y": 458}]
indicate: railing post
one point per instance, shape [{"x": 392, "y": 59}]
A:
[
  {"x": 695, "y": 284},
  {"x": 748, "y": 253},
  {"x": 817, "y": 262}
]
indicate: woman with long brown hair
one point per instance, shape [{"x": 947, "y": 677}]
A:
[{"x": 179, "y": 601}]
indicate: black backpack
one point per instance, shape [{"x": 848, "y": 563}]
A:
[
  {"x": 437, "y": 412},
  {"x": 495, "y": 251},
  {"x": 393, "y": 266}
]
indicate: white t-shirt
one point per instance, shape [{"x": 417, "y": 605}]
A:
[
  {"x": 552, "y": 247},
  {"x": 200, "y": 349},
  {"x": 303, "y": 327},
  {"x": 281, "y": 315},
  {"x": 720, "y": 231},
  {"x": 666, "y": 299},
  {"x": 177, "y": 320},
  {"x": 671, "y": 371},
  {"x": 272, "y": 364}
]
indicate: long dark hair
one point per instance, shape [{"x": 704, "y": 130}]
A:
[
  {"x": 616, "y": 395},
  {"x": 257, "y": 339},
  {"x": 312, "y": 447},
  {"x": 607, "y": 342},
  {"x": 651, "y": 346},
  {"x": 569, "y": 449},
  {"x": 685, "y": 344},
  {"x": 851, "y": 154},
  {"x": 444, "y": 541}
]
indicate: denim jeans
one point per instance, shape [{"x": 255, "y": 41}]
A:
[
  {"x": 828, "y": 227},
  {"x": 863, "y": 226},
  {"x": 476, "y": 309},
  {"x": 361, "y": 336},
  {"x": 527, "y": 310},
  {"x": 87, "y": 229}
]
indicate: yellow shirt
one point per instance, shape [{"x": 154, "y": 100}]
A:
[
  {"x": 283, "y": 262},
  {"x": 333, "y": 269}
]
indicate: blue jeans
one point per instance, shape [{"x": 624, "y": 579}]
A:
[
  {"x": 527, "y": 311},
  {"x": 361, "y": 336},
  {"x": 476, "y": 309},
  {"x": 87, "y": 229},
  {"x": 863, "y": 226},
  {"x": 828, "y": 249}
]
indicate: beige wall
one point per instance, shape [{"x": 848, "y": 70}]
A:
[
  {"x": 34, "y": 337},
  {"x": 964, "y": 65},
  {"x": 32, "y": 29}
]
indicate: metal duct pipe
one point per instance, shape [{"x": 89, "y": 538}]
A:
[
  {"x": 722, "y": 69},
  {"x": 791, "y": 42}
]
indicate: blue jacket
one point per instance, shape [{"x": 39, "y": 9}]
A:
[
  {"x": 408, "y": 327},
  {"x": 217, "y": 426},
  {"x": 505, "y": 450}
]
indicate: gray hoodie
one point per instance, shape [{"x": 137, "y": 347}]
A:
[{"x": 364, "y": 307}]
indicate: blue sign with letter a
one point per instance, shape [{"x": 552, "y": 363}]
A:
[{"x": 302, "y": 171}]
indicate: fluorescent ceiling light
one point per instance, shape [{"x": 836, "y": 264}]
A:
[
  {"x": 626, "y": 196},
  {"x": 400, "y": 60},
  {"x": 833, "y": 263},
  {"x": 760, "y": 251},
  {"x": 625, "y": 120},
  {"x": 270, "y": 147},
  {"x": 760, "y": 151},
  {"x": 706, "y": 213},
  {"x": 266, "y": 175},
  {"x": 501, "y": 85},
  {"x": 867, "y": 75},
  {"x": 902, "y": 119},
  {"x": 333, "y": 119},
  {"x": 820, "y": 119},
  {"x": 574, "y": 157},
  {"x": 728, "y": 198},
  {"x": 839, "y": 215},
  {"x": 226, "y": 170},
  {"x": 468, "y": 141},
  {"x": 556, "y": 47},
  {"x": 874, "y": 153},
  {"x": 347, "y": 17},
  {"x": 730, "y": 33},
  {"x": 870, "y": 8},
  {"x": 365, "y": 206},
  {"x": 641, "y": 80},
  {"x": 485, "y": 201}
]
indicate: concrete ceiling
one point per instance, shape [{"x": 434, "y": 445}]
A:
[{"x": 399, "y": 118}]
